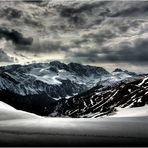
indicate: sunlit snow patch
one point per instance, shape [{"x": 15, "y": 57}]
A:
[
  {"x": 131, "y": 112},
  {"x": 5, "y": 106}
]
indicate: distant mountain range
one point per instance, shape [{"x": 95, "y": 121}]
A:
[{"x": 41, "y": 87}]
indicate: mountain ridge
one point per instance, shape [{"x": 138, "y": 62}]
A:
[
  {"x": 103, "y": 101},
  {"x": 44, "y": 85}
]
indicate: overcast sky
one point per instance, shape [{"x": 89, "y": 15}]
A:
[{"x": 110, "y": 34}]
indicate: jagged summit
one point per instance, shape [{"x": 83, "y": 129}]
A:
[
  {"x": 118, "y": 70},
  {"x": 58, "y": 64}
]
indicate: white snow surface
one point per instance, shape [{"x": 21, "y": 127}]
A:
[
  {"x": 115, "y": 78},
  {"x": 131, "y": 112},
  {"x": 4, "y": 106},
  {"x": 9, "y": 113},
  {"x": 18, "y": 128},
  {"x": 47, "y": 76}
]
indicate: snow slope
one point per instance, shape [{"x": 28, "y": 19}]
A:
[
  {"x": 131, "y": 112},
  {"x": 102, "y": 101},
  {"x": 9, "y": 113},
  {"x": 5, "y": 106},
  {"x": 23, "y": 129}
]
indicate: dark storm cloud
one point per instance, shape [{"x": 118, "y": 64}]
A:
[
  {"x": 75, "y": 14},
  {"x": 16, "y": 15},
  {"x": 26, "y": 44},
  {"x": 132, "y": 11},
  {"x": 48, "y": 46},
  {"x": 88, "y": 31},
  {"x": 125, "y": 53},
  {"x": 16, "y": 37},
  {"x": 11, "y": 13},
  {"x": 36, "y": 2},
  {"x": 33, "y": 1},
  {"x": 101, "y": 36},
  {"x": 70, "y": 11},
  {"x": 131, "y": 54},
  {"x": 90, "y": 56},
  {"x": 31, "y": 22}
]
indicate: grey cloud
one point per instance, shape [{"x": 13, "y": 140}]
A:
[
  {"x": 84, "y": 26},
  {"x": 136, "y": 53},
  {"x": 16, "y": 37},
  {"x": 32, "y": 22},
  {"x": 135, "y": 10},
  {"x": 33, "y": 1},
  {"x": 87, "y": 56},
  {"x": 4, "y": 57},
  {"x": 46, "y": 47},
  {"x": 19, "y": 16},
  {"x": 75, "y": 14},
  {"x": 109, "y": 30},
  {"x": 71, "y": 11},
  {"x": 124, "y": 53},
  {"x": 11, "y": 13},
  {"x": 101, "y": 36}
]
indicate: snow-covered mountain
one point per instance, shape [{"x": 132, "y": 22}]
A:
[
  {"x": 55, "y": 79},
  {"x": 104, "y": 101},
  {"x": 37, "y": 87},
  {"x": 117, "y": 76}
]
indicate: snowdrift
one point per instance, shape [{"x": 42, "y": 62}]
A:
[{"x": 18, "y": 128}]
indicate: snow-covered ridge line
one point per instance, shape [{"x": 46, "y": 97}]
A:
[
  {"x": 98, "y": 102},
  {"x": 42, "y": 77},
  {"x": 5, "y": 106}
]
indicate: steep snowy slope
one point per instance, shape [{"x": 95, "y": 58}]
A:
[
  {"x": 9, "y": 113},
  {"x": 4, "y": 106},
  {"x": 103, "y": 101}
]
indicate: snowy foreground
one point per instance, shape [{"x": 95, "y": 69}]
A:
[{"x": 18, "y": 128}]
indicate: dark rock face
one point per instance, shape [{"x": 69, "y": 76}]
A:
[
  {"x": 59, "y": 65},
  {"x": 40, "y": 104},
  {"x": 81, "y": 70},
  {"x": 102, "y": 101},
  {"x": 118, "y": 70},
  {"x": 86, "y": 70}
]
